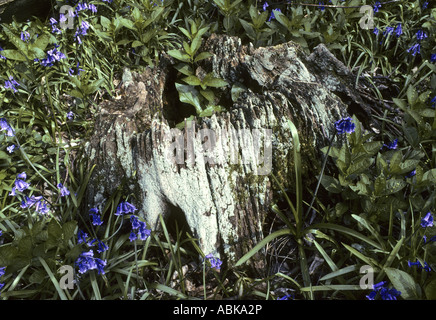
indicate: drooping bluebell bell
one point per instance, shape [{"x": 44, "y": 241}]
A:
[
  {"x": 398, "y": 30},
  {"x": 11, "y": 84},
  {"x": 81, "y": 236},
  {"x": 416, "y": 48},
  {"x": 424, "y": 5},
  {"x": 421, "y": 35},
  {"x": 377, "y": 6},
  {"x": 433, "y": 57},
  {"x": 96, "y": 217},
  {"x": 101, "y": 246},
  {"x": 215, "y": 263},
  {"x": 2, "y": 272},
  {"x": 54, "y": 27},
  {"x": 4, "y": 126},
  {"x": 63, "y": 190},
  {"x": 70, "y": 115},
  {"x": 265, "y": 5},
  {"x": 321, "y": 3},
  {"x": 287, "y": 297},
  {"x": 11, "y": 148},
  {"x": 427, "y": 221},
  {"x": 345, "y": 125},
  {"x": 20, "y": 184},
  {"x": 433, "y": 102},
  {"x": 72, "y": 72},
  {"x": 272, "y": 16},
  {"x": 376, "y": 31},
  {"x": 388, "y": 31}
]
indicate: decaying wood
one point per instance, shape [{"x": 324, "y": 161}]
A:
[{"x": 225, "y": 203}]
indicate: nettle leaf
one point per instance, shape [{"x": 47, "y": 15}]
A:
[
  {"x": 360, "y": 166},
  {"x": 394, "y": 165},
  {"x": 404, "y": 283},
  {"x": 371, "y": 148}
]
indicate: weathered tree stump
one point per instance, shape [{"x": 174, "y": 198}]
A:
[
  {"x": 224, "y": 201},
  {"x": 23, "y": 9}
]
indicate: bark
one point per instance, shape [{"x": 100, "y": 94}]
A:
[
  {"x": 224, "y": 201},
  {"x": 22, "y": 10}
]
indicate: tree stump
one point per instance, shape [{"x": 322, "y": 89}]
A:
[{"x": 224, "y": 200}]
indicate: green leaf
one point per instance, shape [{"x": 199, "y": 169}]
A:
[
  {"x": 14, "y": 55},
  {"x": 192, "y": 80},
  {"x": 394, "y": 185},
  {"x": 184, "y": 69},
  {"x": 331, "y": 184},
  {"x": 430, "y": 289},
  {"x": 370, "y": 261},
  {"x": 211, "y": 81},
  {"x": 179, "y": 55},
  {"x": 429, "y": 177},
  {"x": 188, "y": 94},
  {"x": 202, "y": 56},
  {"x": 404, "y": 283}
]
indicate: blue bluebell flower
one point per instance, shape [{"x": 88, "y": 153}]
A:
[
  {"x": 2, "y": 272},
  {"x": 388, "y": 31},
  {"x": 81, "y": 31},
  {"x": 384, "y": 292},
  {"x": 376, "y": 31},
  {"x": 424, "y": 5},
  {"x": 411, "y": 173},
  {"x": 392, "y": 145},
  {"x": 70, "y": 114},
  {"x": 377, "y": 6},
  {"x": 272, "y": 16},
  {"x": 287, "y": 297},
  {"x": 101, "y": 246},
  {"x": 265, "y": 5},
  {"x": 132, "y": 236},
  {"x": 11, "y": 148},
  {"x": 11, "y": 84},
  {"x": 433, "y": 102},
  {"x": 416, "y": 48},
  {"x": 2, "y": 57},
  {"x": 215, "y": 263},
  {"x": 433, "y": 57},
  {"x": 345, "y": 125},
  {"x": 125, "y": 207},
  {"x": 72, "y": 72},
  {"x": 321, "y": 3},
  {"x": 426, "y": 266},
  {"x": 96, "y": 217},
  {"x": 86, "y": 262},
  {"x": 140, "y": 227},
  {"x": 398, "y": 30},
  {"x": 81, "y": 236},
  {"x": 25, "y": 35},
  {"x": 53, "y": 56},
  {"x": 4, "y": 126},
  {"x": 54, "y": 27},
  {"x": 64, "y": 191},
  {"x": 427, "y": 221},
  {"x": 421, "y": 35}
]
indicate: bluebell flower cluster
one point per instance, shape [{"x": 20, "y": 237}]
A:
[
  {"x": 86, "y": 261},
  {"x": 2, "y": 272},
  {"x": 40, "y": 204},
  {"x": 287, "y": 297},
  {"x": 11, "y": 84},
  {"x": 392, "y": 145},
  {"x": 63, "y": 190},
  {"x": 416, "y": 48},
  {"x": 345, "y": 125},
  {"x": 215, "y": 263},
  {"x": 125, "y": 208},
  {"x": 426, "y": 267},
  {"x": 72, "y": 72},
  {"x": 377, "y": 6},
  {"x": 95, "y": 217},
  {"x": 139, "y": 229},
  {"x": 25, "y": 36},
  {"x": 20, "y": 184},
  {"x": 272, "y": 16},
  {"x": 385, "y": 293},
  {"x": 53, "y": 56}
]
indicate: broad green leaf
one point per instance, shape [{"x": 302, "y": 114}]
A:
[
  {"x": 429, "y": 176},
  {"x": 202, "y": 56},
  {"x": 184, "y": 69},
  {"x": 211, "y": 81},
  {"x": 192, "y": 80},
  {"x": 179, "y": 55},
  {"x": 14, "y": 55},
  {"x": 188, "y": 94},
  {"x": 430, "y": 289},
  {"x": 404, "y": 283},
  {"x": 360, "y": 166},
  {"x": 331, "y": 184},
  {"x": 340, "y": 272},
  {"x": 394, "y": 185}
]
